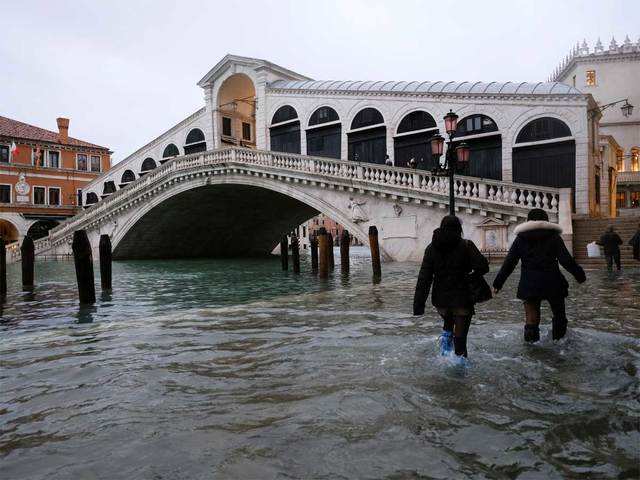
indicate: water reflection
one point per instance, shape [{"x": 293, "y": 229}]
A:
[{"x": 234, "y": 369}]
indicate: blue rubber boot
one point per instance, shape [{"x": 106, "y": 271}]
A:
[{"x": 446, "y": 343}]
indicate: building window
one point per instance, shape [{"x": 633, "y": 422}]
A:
[
  {"x": 4, "y": 154},
  {"x": 81, "y": 161},
  {"x": 226, "y": 126},
  {"x": 39, "y": 195},
  {"x": 79, "y": 197},
  {"x": 5, "y": 193},
  {"x": 95, "y": 163},
  {"x": 574, "y": 80},
  {"x": 37, "y": 157},
  {"x": 591, "y": 78},
  {"x": 619, "y": 162},
  {"x": 635, "y": 161},
  {"x": 54, "y": 160},
  {"x": 54, "y": 196},
  {"x": 246, "y": 131}
]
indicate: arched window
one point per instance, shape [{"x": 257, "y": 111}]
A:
[
  {"x": 285, "y": 132},
  {"x": 169, "y": 151},
  {"x": 418, "y": 120},
  {"x": 147, "y": 165},
  {"x": 284, "y": 114},
  {"x": 323, "y": 115},
  {"x": 541, "y": 162},
  {"x": 108, "y": 188},
  {"x": 413, "y": 140},
  {"x": 127, "y": 177},
  {"x": 195, "y": 142},
  {"x": 485, "y": 157},
  {"x": 91, "y": 198},
  {"x": 324, "y": 134},
  {"x": 366, "y": 118},
  {"x": 369, "y": 142},
  {"x": 545, "y": 128}
]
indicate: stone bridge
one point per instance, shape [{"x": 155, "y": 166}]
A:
[{"x": 239, "y": 202}]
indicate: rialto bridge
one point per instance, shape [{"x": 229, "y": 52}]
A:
[
  {"x": 238, "y": 202},
  {"x": 271, "y": 147}
]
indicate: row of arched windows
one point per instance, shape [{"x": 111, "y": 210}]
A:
[
  {"x": 195, "y": 142},
  {"x": 543, "y": 154}
]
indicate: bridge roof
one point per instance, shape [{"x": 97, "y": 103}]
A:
[{"x": 439, "y": 87}]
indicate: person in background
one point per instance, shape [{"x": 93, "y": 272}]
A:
[
  {"x": 387, "y": 161},
  {"x": 611, "y": 242},
  {"x": 448, "y": 262},
  {"x": 635, "y": 243},
  {"x": 412, "y": 163},
  {"x": 540, "y": 248}
]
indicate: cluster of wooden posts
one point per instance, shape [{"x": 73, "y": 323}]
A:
[
  {"x": 322, "y": 260},
  {"x": 83, "y": 260}
]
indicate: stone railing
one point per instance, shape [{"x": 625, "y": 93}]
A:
[{"x": 372, "y": 177}]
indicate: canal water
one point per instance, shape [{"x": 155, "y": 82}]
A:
[{"x": 235, "y": 370}]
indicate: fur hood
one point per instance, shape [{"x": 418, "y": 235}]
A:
[{"x": 530, "y": 226}]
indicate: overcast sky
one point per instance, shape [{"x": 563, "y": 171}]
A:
[{"x": 125, "y": 71}]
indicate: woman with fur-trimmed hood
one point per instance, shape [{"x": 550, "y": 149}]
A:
[{"x": 540, "y": 248}]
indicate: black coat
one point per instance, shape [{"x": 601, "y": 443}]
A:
[
  {"x": 539, "y": 246},
  {"x": 611, "y": 242},
  {"x": 635, "y": 243},
  {"x": 448, "y": 263}
]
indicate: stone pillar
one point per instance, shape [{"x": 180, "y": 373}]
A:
[{"x": 565, "y": 217}]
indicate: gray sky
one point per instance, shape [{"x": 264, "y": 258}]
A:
[{"x": 125, "y": 71}]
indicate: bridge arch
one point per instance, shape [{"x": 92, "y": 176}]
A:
[
  {"x": 235, "y": 107},
  {"x": 284, "y": 130},
  {"x": 9, "y": 231},
  {"x": 412, "y": 139},
  {"x": 128, "y": 236}
]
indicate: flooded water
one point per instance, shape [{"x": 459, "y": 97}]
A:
[{"x": 236, "y": 370}]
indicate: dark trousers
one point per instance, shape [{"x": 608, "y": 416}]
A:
[
  {"x": 459, "y": 325},
  {"x": 532, "y": 312},
  {"x": 613, "y": 257}
]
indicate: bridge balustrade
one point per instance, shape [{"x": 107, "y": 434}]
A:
[{"x": 366, "y": 174}]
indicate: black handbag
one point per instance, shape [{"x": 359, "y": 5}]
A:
[{"x": 478, "y": 286}]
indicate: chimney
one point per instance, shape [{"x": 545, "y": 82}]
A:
[{"x": 63, "y": 129}]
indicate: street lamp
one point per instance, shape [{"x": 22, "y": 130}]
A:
[
  {"x": 455, "y": 159},
  {"x": 626, "y": 109}
]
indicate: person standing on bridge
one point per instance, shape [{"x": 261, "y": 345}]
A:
[
  {"x": 449, "y": 263},
  {"x": 539, "y": 245},
  {"x": 611, "y": 242}
]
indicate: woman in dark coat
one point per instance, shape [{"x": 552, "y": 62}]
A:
[
  {"x": 449, "y": 262},
  {"x": 539, "y": 246}
]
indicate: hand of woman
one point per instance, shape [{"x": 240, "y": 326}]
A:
[{"x": 495, "y": 291}]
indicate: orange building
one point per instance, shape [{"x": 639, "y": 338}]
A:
[{"x": 42, "y": 174}]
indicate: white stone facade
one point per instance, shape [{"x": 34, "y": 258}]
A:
[{"x": 510, "y": 105}]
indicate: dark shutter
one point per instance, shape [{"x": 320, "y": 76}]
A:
[
  {"x": 368, "y": 145},
  {"x": 324, "y": 141}
]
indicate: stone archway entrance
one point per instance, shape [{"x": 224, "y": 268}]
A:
[
  {"x": 8, "y": 231},
  {"x": 236, "y": 111}
]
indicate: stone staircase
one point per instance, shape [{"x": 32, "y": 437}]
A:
[{"x": 587, "y": 230}]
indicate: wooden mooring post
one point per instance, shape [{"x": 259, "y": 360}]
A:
[
  {"x": 375, "y": 253},
  {"x": 105, "y": 262},
  {"x": 313, "y": 246},
  {"x": 323, "y": 255},
  {"x": 83, "y": 260},
  {"x": 284, "y": 252},
  {"x": 295, "y": 253},
  {"x": 331, "y": 258},
  {"x": 345, "y": 240},
  {"x": 3, "y": 269},
  {"x": 28, "y": 258}
]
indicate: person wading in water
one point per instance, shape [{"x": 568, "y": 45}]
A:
[
  {"x": 539, "y": 245},
  {"x": 611, "y": 242},
  {"x": 448, "y": 263}
]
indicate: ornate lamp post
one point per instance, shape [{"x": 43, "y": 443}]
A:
[{"x": 455, "y": 160}]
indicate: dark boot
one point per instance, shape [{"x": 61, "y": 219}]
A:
[
  {"x": 460, "y": 345},
  {"x": 559, "y": 328},
  {"x": 531, "y": 333}
]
